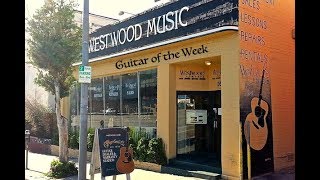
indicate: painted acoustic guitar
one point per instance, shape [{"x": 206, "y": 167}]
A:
[
  {"x": 255, "y": 126},
  {"x": 125, "y": 162}
]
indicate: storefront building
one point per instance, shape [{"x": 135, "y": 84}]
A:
[{"x": 212, "y": 78}]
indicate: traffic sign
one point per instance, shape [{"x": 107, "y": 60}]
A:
[{"x": 84, "y": 74}]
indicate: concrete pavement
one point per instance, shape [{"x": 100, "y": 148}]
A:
[{"x": 38, "y": 164}]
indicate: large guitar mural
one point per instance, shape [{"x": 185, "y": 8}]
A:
[
  {"x": 255, "y": 126},
  {"x": 256, "y": 117}
]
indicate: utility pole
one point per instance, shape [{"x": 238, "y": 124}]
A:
[{"x": 82, "y": 171}]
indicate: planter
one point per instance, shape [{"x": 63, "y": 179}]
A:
[{"x": 147, "y": 166}]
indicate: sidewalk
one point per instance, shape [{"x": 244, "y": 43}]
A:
[{"x": 38, "y": 164}]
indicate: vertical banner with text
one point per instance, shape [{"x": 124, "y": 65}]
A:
[{"x": 255, "y": 85}]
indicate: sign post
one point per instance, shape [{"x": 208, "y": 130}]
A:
[
  {"x": 27, "y": 139},
  {"x": 84, "y": 94}
]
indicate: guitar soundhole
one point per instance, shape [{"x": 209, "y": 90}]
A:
[
  {"x": 259, "y": 112},
  {"x": 128, "y": 156}
]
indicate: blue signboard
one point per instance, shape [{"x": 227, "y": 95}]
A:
[
  {"x": 170, "y": 23},
  {"x": 115, "y": 156}
]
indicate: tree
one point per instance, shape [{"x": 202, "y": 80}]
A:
[{"x": 55, "y": 44}]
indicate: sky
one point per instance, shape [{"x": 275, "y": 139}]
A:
[
  {"x": 102, "y": 7},
  {"x": 106, "y": 8}
]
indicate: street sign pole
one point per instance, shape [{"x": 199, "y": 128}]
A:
[{"x": 84, "y": 95}]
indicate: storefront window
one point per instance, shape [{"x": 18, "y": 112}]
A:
[
  {"x": 95, "y": 102},
  {"x": 75, "y": 105},
  {"x": 95, "y": 92},
  {"x": 129, "y": 95},
  {"x": 148, "y": 101},
  {"x": 75, "y": 100},
  {"x": 112, "y": 101},
  {"x": 123, "y": 100}
]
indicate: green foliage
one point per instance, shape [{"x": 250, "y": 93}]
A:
[
  {"x": 62, "y": 169},
  {"x": 91, "y": 130},
  {"x": 142, "y": 149},
  {"x": 55, "y": 139},
  {"x": 40, "y": 120},
  {"x": 74, "y": 139},
  {"x": 54, "y": 44},
  {"x": 146, "y": 149},
  {"x": 90, "y": 139},
  {"x": 134, "y": 136},
  {"x": 156, "y": 152}
]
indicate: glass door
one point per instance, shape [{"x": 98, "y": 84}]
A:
[
  {"x": 185, "y": 132},
  {"x": 200, "y": 141}
]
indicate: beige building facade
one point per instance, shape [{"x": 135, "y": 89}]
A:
[{"x": 212, "y": 87}]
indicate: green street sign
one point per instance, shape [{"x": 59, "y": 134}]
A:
[{"x": 84, "y": 74}]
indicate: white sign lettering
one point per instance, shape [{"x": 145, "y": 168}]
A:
[{"x": 157, "y": 25}]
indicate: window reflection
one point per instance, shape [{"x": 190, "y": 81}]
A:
[
  {"x": 112, "y": 94},
  {"x": 121, "y": 100},
  {"x": 148, "y": 100},
  {"x": 95, "y": 92},
  {"x": 129, "y": 94}
]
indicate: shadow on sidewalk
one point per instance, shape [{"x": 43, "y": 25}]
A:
[{"x": 35, "y": 171}]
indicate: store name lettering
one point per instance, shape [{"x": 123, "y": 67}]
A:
[
  {"x": 169, "y": 55},
  {"x": 157, "y": 25},
  {"x": 192, "y": 75}
]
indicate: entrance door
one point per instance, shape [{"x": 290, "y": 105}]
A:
[{"x": 199, "y": 142}]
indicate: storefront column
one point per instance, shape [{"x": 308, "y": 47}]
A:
[
  {"x": 230, "y": 130},
  {"x": 166, "y": 108}
]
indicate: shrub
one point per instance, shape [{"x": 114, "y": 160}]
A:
[
  {"x": 39, "y": 119},
  {"x": 55, "y": 139},
  {"x": 134, "y": 136},
  {"x": 74, "y": 139},
  {"x": 90, "y": 139},
  {"x": 62, "y": 169},
  {"x": 156, "y": 152},
  {"x": 145, "y": 149},
  {"x": 142, "y": 149}
]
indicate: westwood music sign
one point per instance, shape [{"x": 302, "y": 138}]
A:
[
  {"x": 161, "y": 24},
  {"x": 180, "y": 18}
]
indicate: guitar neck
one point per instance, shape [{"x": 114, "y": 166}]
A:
[
  {"x": 260, "y": 92},
  {"x": 127, "y": 138}
]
